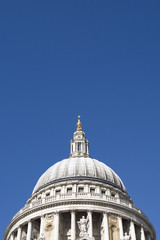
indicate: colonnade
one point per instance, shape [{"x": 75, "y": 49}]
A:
[{"x": 73, "y": 228}]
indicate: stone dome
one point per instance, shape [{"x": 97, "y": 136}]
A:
[
  {"x": 79, "y": 168},
  {"x": 80, "y": 198}
]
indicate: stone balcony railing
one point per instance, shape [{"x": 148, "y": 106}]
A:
[{"x": 78, "y": 196}]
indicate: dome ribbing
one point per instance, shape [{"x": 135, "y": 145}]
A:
[{"x": 79, "y": 167}]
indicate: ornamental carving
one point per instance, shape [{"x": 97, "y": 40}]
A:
[
  {"x": 48, "y": 227},
  {"x": 113, "y": 228},
  {"x": 49, "y": 220},
  {"x": 49, "y": 217}
]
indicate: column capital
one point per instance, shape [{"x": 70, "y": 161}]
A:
[
  {"x": 106, "y": 212},
  {"x": 89, "y": 210},
  {"x": 113, "y": 214},
  {"x": 73, "y": 210},
  {"x": 56, "y": 212}
]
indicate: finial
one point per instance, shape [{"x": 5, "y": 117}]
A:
[{"x": 79, "y": 124}]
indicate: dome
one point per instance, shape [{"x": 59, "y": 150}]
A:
[
  {"x": 78, "y": 168},
  {"x": 79, "y": 198}
]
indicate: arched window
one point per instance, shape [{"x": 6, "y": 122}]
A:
[{"x": 79, "y": 146}]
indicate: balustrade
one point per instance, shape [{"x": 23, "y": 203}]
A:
[{"x": 80, "y": 195}]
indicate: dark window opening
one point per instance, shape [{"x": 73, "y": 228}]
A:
[
  {"x": 79, "y": 146},
  {"x": 69, "y": 190},
  {"x": 92, "y": 190},
  {"x": 103, "y": 192},
  {"x": 80, "y": 189},
  {"x": 58, "y": 192}
]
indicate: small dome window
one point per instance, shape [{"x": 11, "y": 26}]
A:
[
  {"x": 92, "y": 190},
  {"x": 79, "y": 146},
  {"x": 69, "y": 190},
  {"x": 113, "y": 194},
  {"x": 58, "y": 191},
  {"x": 103, "y": 191},
  {"x": 80, "y": 189}
]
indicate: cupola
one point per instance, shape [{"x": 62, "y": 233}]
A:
[{"x": 79, "y": 146}]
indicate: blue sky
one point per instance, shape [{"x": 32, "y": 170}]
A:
[{"x": 97, "y": 59}]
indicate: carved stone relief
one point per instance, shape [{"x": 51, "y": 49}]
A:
[
  {"x": 113, "y": 228},
  {"x": 49, "y": 226},
  {"x": 49, "y": 222}
]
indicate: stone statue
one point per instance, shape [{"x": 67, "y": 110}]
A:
[
  {"x": 83, "y": 225},
  {"x": 126, "y": 236}
]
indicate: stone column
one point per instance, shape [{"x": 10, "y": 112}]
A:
[
  {"x": 87, "y": 188},
  {"x": 132, "y": 231},
  {"x": 41, "y": 225},
  {"x": 73, "y": 225},
  {"x": 142, "y": 233},
  {"x": 120, "y": 227},
  {"x": 63, "y": 190},
  {"x": 56, "y": 230},
  {"x": 90, "y": 224},
  {"x": 105, "y": 222},
  {"x": 74, "y": 188},
  {"x": 12, "y": 237},
  {"x": 29, "y": 230},
  {"x": 19, "y": 233},
  {"x": 52, "y": 192}
]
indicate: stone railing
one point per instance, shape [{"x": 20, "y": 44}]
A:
[
  {"x": 83, "y": 195},
  {"x": 136, "y": 209}
]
